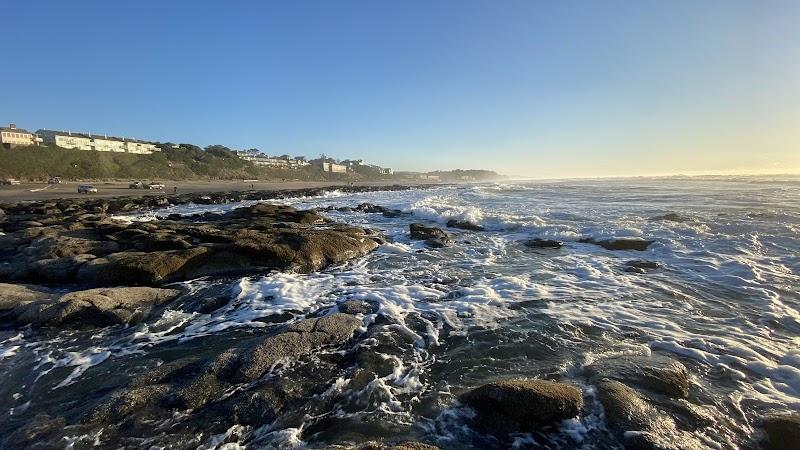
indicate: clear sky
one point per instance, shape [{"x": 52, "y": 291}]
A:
[{"x": 542, "y": 89}]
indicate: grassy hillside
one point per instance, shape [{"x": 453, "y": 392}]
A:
[{"x": 187, "y": 162}]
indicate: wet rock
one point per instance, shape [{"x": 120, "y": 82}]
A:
[
  {"x": 297, "y": 340},
  {"x": 394, "y": 213},
  {"x": 464, "y": 225},
  {"x": 95, "y": 307},
  {"x": 141, "y": 268},
  {"x": 620, "y": 243},
  {"x": 433, "y": 237},
  {"x": 639, "y": 425},
  {"x": 655, "y": 373},
  {"x": 641, "y": 266},
  {"x": 357, "y": 307},
  {"x": 369, "y": 208},
  {"x": 93, "y": 250},
  {"x": 277, "y": 213},
  {"x": 543, "y": 243},
  {"x": 523, "y": 405},
  {"x": 782, "y": 431}
]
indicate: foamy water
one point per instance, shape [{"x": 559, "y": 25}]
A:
[{"x": 725, "y": 303}]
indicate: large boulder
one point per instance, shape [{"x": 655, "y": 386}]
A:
[
  {"x": 433, "y": 237},
  {"x": 95, "y": 307},
  {"x": 782, "y": 431},
  {"x": 140, "y": 268},
  {"x": 654, "y": 373},
  {"x": 523, "y": 405},
  {"x": 638, "y": 424}
]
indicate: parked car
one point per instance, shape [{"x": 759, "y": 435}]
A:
[
  {"x": 87, "y": 189},
  {"x": 136, "y": 185},
  {"x": 54, "y": 180},
  {"x": 9, "y": 181},
  {"x": 155, "y": 186}
]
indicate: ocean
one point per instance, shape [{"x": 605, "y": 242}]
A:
[{"x": 724, "y": 300}]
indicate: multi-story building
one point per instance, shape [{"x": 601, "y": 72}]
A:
[
  {"x": 329, "y": 165},
  {"x": 280, "y": 162},
  {"x": 11, "y": 136},
  {"x": 99, "y": 143}
]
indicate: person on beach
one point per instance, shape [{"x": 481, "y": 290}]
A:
[{"x": 174, "y": 189}]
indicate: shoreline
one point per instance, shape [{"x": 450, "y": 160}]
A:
[{"x": 68, "y": 190}]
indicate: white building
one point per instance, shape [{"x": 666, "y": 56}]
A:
[
  {"x": 11, "y": 136},
  {"x": 99, "y": 143},
  {"x": 261, "y": 159},
  {"x": 329, "y": 165}
]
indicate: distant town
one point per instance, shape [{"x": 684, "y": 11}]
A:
[{"x": 13, "y": 137}]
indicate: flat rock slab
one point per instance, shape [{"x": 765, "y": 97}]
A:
[
  {"x": 523, "y": 405},
  {"x": 99, "y": 307}
]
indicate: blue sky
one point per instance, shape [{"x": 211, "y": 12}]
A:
[{"x": 542, "y": 89}]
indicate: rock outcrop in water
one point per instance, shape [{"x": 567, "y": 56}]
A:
[
  {"x": 433, "y": 237},
  {"x": 782, "y": 431},
  {"x": 543, "y": 243},
  {"x": 98, "y": 307},
  {"x": 464, "y": 225},
  {"x": 637, "y": 244},
  {"x": 95, "y": 250},
  {"x": 637, "y": 423},
  {"x": 523, "y": 405},
  {"x": 654, "y": 373}
]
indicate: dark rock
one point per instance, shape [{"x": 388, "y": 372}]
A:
[
  {"x": 370, "y": 208},
  {"x": 141, "y": 268},
  {"x": 655, "y": 373},
  {"x": 641, "y": 266},
  {"x": 436, "y": 243},
  {"x": 94, "y": 307},
  {"x": 639, "y": 425},
  {"x": 523, "y": 405},
  {"x": 782, "y": 431},
  {"x": 620, "y": 243},
  {"x": 543, "y": 243},
  {"x": 15, "y": 295},
  {"x": 435, "y": 237},
  {"x": 297, "y": 340},
  {"x": 357, "y": 307},
  {"x": 464, "y": 225},
  {"x": 394, "y": 213}
]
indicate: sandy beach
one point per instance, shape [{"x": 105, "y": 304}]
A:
[{"x": 106, "y": 189}]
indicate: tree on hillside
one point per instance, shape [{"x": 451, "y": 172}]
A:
[{"x": 220, "y": 151}]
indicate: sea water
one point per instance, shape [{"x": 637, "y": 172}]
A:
[{"x": 725, "y": 302}]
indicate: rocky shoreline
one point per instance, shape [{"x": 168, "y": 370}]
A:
[{"x": 69, "y": 265}]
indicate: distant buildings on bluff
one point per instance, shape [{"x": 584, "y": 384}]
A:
[
  {"x": 11, "y": 137},
  {"x": 98, "y": 143}
]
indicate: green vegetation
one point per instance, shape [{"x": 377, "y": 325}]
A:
[{"x": 187, "y": 162}]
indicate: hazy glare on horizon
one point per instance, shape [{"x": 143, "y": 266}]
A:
[{"x": 527, "y": 88}]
